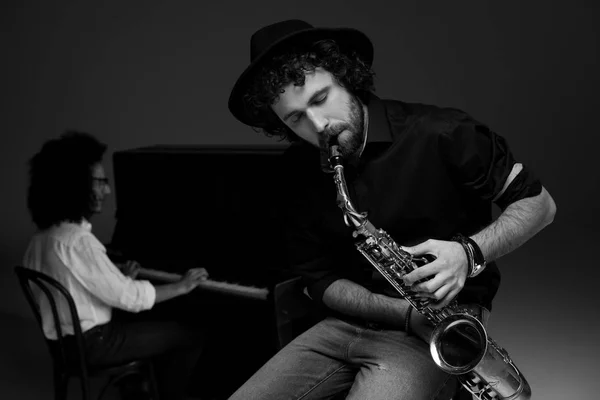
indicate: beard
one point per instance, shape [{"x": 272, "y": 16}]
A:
[{"x": 349, "y": 136}]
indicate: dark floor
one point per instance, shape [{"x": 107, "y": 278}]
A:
[
  {"x": 26, "y": 369},
  {"x": 25, "y": 365}
]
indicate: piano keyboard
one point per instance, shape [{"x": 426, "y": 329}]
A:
[{"x": 229, "y": 288}]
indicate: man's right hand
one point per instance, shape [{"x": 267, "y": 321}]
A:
[{"x": 192, "y": 278}]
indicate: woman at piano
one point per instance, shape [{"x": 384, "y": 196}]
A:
[{"x": 67, "y": 186}]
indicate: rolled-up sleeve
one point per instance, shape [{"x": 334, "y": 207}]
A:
[
  {"x": 92, "y": 268},
  {"x": 320, "y": 260},
  {"x": 315, "y": 266},
  {"x": 478, "y": 160}
]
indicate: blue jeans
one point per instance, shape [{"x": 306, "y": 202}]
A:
[{"x": 336, "y": 357}]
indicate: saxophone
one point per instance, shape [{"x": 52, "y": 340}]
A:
[{"x": 459, "y": 344}]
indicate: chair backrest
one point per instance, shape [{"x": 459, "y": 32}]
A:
[
  {"x": 294, "y": 311},
  {"x": 72, "y": 360}
]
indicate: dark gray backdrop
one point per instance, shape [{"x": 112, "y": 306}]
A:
[{"x": 152, "y": 72}]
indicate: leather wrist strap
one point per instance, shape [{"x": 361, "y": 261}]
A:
[
  {"x": 467, "y": 249},
  {"x": 475, "y": 257}
]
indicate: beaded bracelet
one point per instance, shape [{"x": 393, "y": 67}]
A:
[{"x": 407, "y": 320}]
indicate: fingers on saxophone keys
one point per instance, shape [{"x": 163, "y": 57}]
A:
[
  {"x": 423, "y": 289},
  {"x": 420, "y": 295},
  {"x": 426, "y": 292}
]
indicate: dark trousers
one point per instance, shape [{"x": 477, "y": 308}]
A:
[{"x": 174, "y": 346}]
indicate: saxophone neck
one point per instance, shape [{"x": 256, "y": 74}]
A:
[{"x": 352, "y": 217}]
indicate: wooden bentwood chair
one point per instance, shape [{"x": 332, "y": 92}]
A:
[{"x": 66, "y": 364}]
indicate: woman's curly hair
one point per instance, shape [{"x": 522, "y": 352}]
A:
[
  {"x": 291, "y": 67},
  {"x": 60, "y": 179}
]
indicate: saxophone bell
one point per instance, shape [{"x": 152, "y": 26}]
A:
[{"x": 458, "y": 343}]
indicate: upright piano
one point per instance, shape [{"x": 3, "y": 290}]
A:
[{"x": 217, "y": 207}]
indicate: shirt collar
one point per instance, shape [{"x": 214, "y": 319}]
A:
[
  {"x": 84, "y": 224},
  {"x": 87, "y": 225},
  {"x": 379, "y": 128}
]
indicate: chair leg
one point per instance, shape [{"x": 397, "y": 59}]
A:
[
  {"x": 113, "y": 380},
  {"x": 61, "y": 384},
  {"x": 151, "y": 377},
  {"x": 107, "y": 385},
  {"x": 146, "y": 374},
  {"x": 85, "y": 388}
]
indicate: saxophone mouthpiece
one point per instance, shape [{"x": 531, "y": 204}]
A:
[
  {"x": 335, "y": 155},
  {"x": 334, "y": 151}
]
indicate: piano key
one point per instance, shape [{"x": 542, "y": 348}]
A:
[
  {"x": 228, "y": 288},
  {"x": 235, "y": 289}
]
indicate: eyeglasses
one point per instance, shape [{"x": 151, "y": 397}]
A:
[{"x": 103, "y": 181}]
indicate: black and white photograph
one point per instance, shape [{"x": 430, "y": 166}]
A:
[{"x": 317, "y": 200}]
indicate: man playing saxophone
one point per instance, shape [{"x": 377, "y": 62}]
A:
[{"x": 427, "y": 175}]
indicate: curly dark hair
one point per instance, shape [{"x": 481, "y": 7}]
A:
[
  {"x": 291, "y": 67},
  {"x": 60, "y": 179}
]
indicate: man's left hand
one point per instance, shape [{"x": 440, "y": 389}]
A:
[{"x": 447, "y": 273}]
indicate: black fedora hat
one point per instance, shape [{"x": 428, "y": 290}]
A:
[{"x": 271, "y": 39}]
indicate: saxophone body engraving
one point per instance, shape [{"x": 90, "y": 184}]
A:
[{"x": 459, "y": 343}]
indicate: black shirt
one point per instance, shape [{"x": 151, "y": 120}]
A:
[{"x": 426, "y": 172}]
